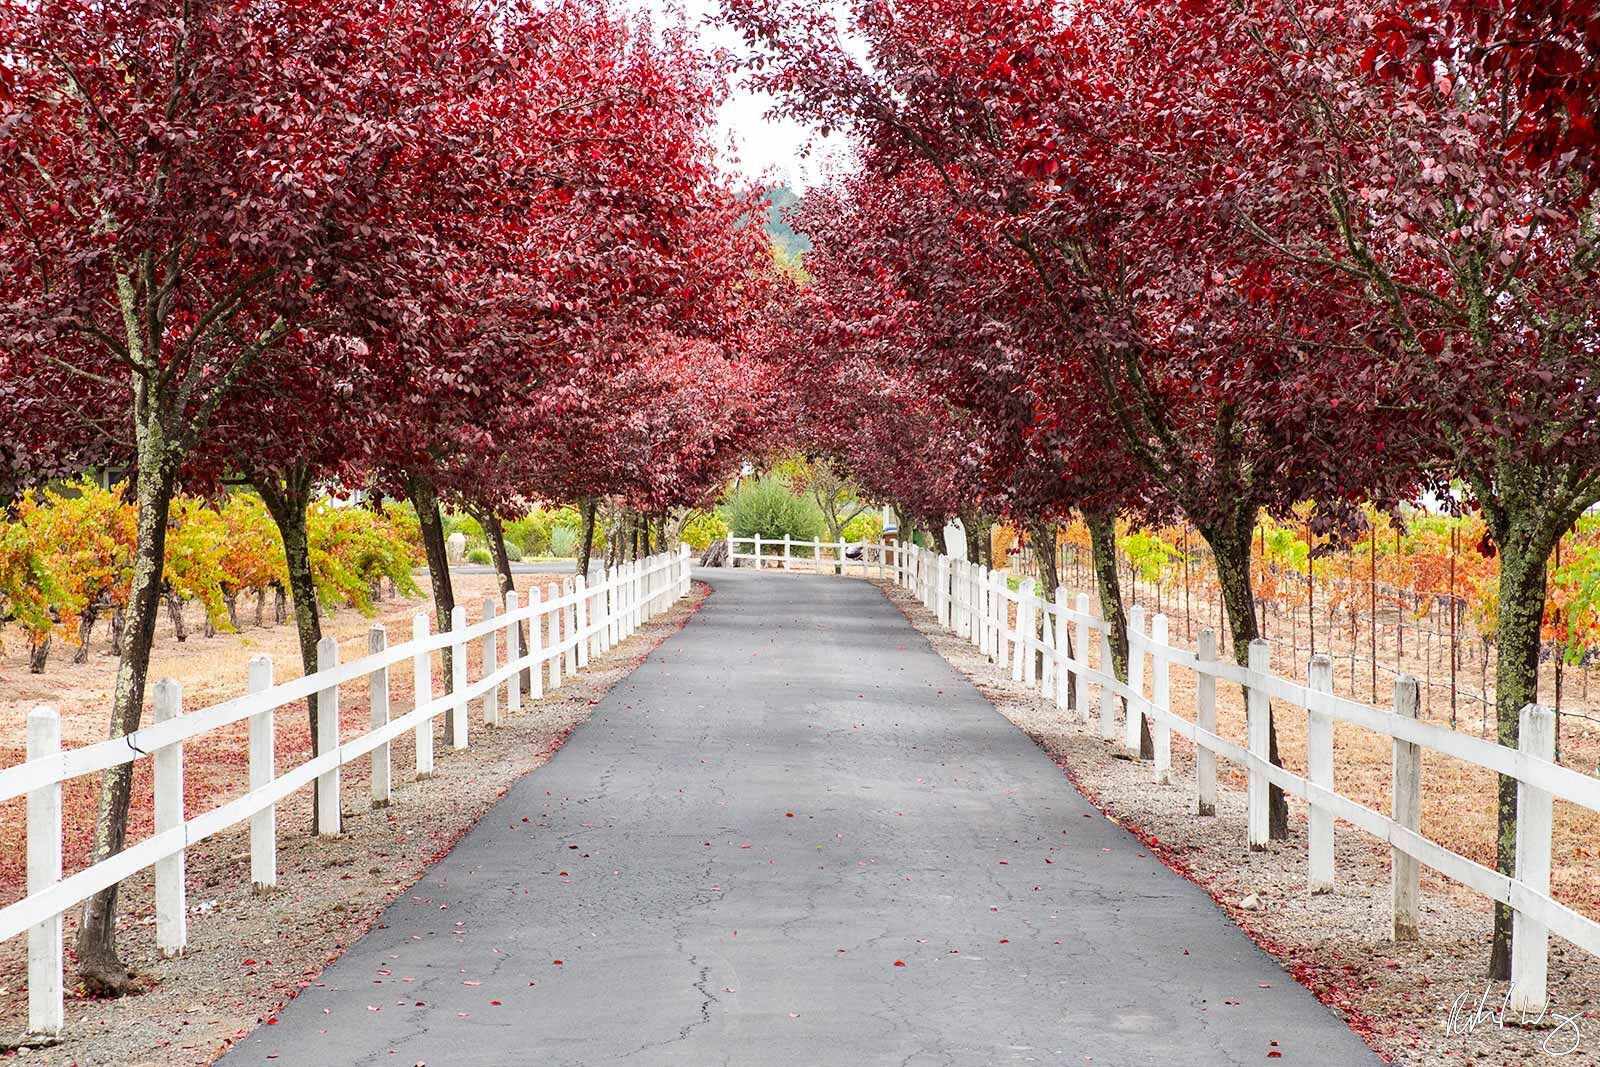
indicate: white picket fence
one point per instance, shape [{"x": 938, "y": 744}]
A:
[
  {"x": 872, "y": 558},
  {"x": 977, "y": 604},
  {"x": 564, "y": 632}
]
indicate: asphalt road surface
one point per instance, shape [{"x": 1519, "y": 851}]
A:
[{"x": 796, "y": 836}]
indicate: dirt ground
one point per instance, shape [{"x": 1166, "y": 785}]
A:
[
  {"x": 248, "y": 956},
  {"x": 1423, "y": 1003}
]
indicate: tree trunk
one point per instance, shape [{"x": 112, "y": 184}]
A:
[
  {"x": 119, "y": 622},
  {"x": 587, "y": 508},
  {"x": 102, "y": 972},
  {"x": 39, "y": 651},
  {"x": 1524, "y": 554},
  {"x": 288, "y": 497},
  {"x": 232, "y": 602},
  {"x": 1230, "y": 548},
  {"x": 280, "y": 605},
  {"x": 175, "y": 615},
  {"x": 426, "y": 501},
  {"x": 91, "y": 614},
  {"x": 261, "y": 606},
  {"x": 1043, "y": 537},
  {"x": 1103, "y": 548},
  {"x": 494, "y": 531}
]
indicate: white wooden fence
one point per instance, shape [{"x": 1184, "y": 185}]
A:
[
  {"x": 583, "y": 621},
  {"x": 871, "y": 558},
  {"x": 1033, "y": 644}
]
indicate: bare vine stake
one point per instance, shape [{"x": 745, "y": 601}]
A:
[
  {"x": 1372, "y": 607},
  {"x": 1311, "y": 591},
  {"x": 1455, "y": 543}
]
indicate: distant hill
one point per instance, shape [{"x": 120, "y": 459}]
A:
[{"x": 782, "y": 234}]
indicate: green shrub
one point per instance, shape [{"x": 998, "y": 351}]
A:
[
  {"x": 768, "y": 507},
  {"x": 467, "y": 525},
  {"x": 533, "y": 531},
  {"x": 529, "y": 534},
  {"x": 564, "y": 541},
  {"x": 513, "y": 553},
  {"x": 703, "y": 528},
  {"x": 867, "y": 526},
  {"x": 479, "y": 556}
]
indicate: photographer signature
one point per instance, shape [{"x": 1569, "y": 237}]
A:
[{"x": 1466, "y": 1017}]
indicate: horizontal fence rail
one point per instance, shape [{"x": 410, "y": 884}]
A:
[
  {"x": 1044, "y": 642},
  {"x": 868, "y": 558},
  {"x": 563, "y": 633}
]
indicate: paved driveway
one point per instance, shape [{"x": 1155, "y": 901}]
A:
[{"x": 796, "y": 836}]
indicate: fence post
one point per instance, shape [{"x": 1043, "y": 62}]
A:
[
  {"x": 1530, "y": 940},
  {"x": 999, "y": 615},
  {"x": 1080, "y": 684},
  {"x": 633, "y": 597},
  {"x": 785, "y": 551},
  {"x": 986, "y": 592},
  {"x": 594, "y": 620},
  {"x": 1136, "y": 642},
  {"x": 1205, "y": 718},
  {"x": 1022, "y": 661},
  {"x": 172, "y": 908},
  {"x": 422, "y": 687},
  {"x": 969, "y": 613},
  {"x": 491, "y": 663},
  {"x": 569, "y": 589},
  {"x": 514, "y": 654},
  {"x": 378, "y": 690},
  {"x": 942, "y": 591},
  {"x": 1046, "y": 658},
  {"x": 535, "y": 643},
  {"x": 47, "y": 1012},
  {"x": 1404, "y": 871},
  {"x": 264, "y": 823},
  {"x": 1064, "y": 648},
  {"x": 1161, "y": 699},
  {"x": 458, "y": 676},
  {"x": 328, "y": 805},
  {"x": 611, "y": 602},
  {"x": 963, "y": 610},
  {"x": 977, "y": 593},
  {"x": 758, "y": 552},
  {"x": 1319, "y": 772},
  {"x": 687, "y": 576},
  {"x": 994, "y": 605},
  {"x": 1258, "y": 733},
  {"x": 1108, "y": 698},
  {"x": 582, "y": 608},
  {"x": 647, "y": 578},
  {"x": 957, "y": 573}
]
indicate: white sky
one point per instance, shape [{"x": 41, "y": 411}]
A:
[{"x": 755, "y": 146}]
